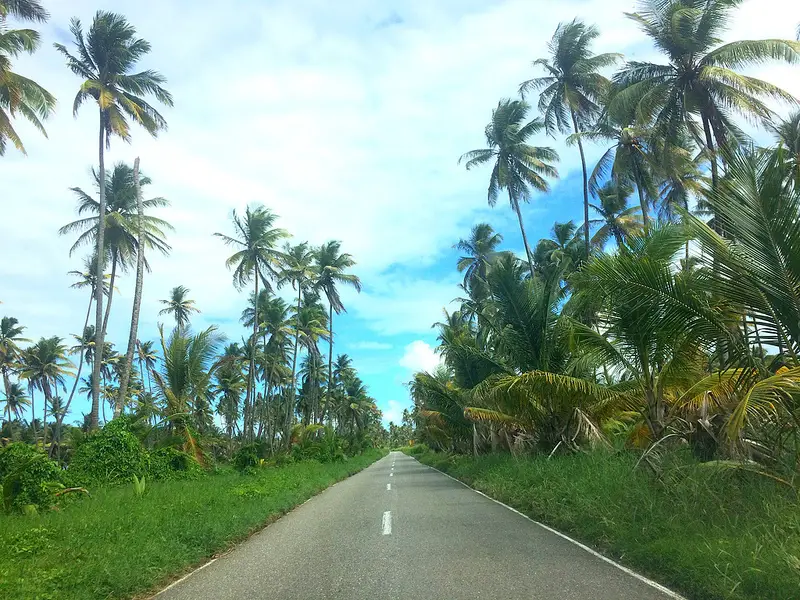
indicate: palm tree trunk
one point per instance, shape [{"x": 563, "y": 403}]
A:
[
  {"x": 290, "y": 407},
  {"x": 110, "y": 292},
  {"x": 33, "y": 415},
  {"x": 642, "y": 202},
  {"x": 515, "y": 206},
  {"x": 249, "y": 400},
  {"x": 710, "y": 146},
  {"x": 60, "y": 418},
  {"x": 137, "y": 296},
  {"x": 585, "y": 187},
  {"x": 7, "y": 388},
  {"x": 47, "y": 399},
  {"x": 98, "y": 293},
  {"x": 330, "y": 358}
]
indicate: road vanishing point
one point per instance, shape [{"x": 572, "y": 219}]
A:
[{"x": 400, "y": 529}]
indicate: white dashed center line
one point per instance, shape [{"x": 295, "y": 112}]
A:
[
  {"x": 388, "y": 487},
  {"x": 387, "y": 523}
]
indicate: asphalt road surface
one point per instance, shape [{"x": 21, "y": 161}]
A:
[{"x": 400, "y": 529}]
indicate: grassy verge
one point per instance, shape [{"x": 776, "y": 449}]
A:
[
  {"x": 709, "y": 535},
  {"x": 115, "y": 545}
]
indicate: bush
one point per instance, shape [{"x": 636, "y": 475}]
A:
[
  {"x": 170, "y": 463},
  {"x": 248, "y": 456},
  {"x": 111, "y": 455},
  {"x": 28, "y": 477}
]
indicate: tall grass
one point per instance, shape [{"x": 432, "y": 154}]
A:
[
  {"x": 712, "y": 535},
  {"x": 116, "y": 545}
]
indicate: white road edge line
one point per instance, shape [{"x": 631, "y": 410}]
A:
[
  {"x": 387, "y": 523},
  {"x": 642, "y": 578},
  {"x": 388, "y": 487},
  {"x": 174, "y": 583}
]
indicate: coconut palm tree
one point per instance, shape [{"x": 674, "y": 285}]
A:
[
  {"x": 106, "y": 58},
  {"x": 16, "y": 402},
  {"x": 10, "y": 352},
  {"x": 297, "y": 270},
  {"x": 121, "y": 236},
  {"x": 179, "y": 306},
  {"x": 617, "y": 219},
  {"x": 331, "y": 266},
  {"x": 518, "y": 166},
  {"x": 45, "y": 366},
  {"x": 700, "y": 87},
  {"x": 479, "y": 250},
  {"x": 146, "y": 355},
  {"x": 571, "y": 90},
  {"x": 186, "y": 377},
  {"x": 787, "y": 132},
  {"x": 18, "y": 94},
  {"x": 256, "y": 260},
  {"x": 627, "y": 162}
]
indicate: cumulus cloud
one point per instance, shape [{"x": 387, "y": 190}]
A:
[
  {"x": 393, "y": 412},
  {"x": 420, "y": 356},
  {"x": 370, "y": 345}
]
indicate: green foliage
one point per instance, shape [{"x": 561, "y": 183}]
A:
[
  {"x": 114, "y": 545},
  {"x": 171, "y": 463},
  {"x": 318, "y": 443},
  {"x": 28, "y": 477},
  {"x": 249, "y": 456},
  {"x": 111, "y": 455},
  {"x": 139, "y": 486}
]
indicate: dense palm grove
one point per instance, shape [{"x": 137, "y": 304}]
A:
[
  {"x": 670, "y": 320},
  {"x": 279, "y": 388}
]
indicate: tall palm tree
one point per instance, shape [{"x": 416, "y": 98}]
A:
[
  {"x": 256, "y": 260},
  {"x": 479, "y": 250},
  {"x": 18, "y": 94},
  {"x": 787, "y": 132},
  {"x": 121, "y": 235},
  {"x": 331, "y": 265},
  {"x": 572, "y": 89},
  {"x": 45, "y": 366},
  {"x": 147, "y": 357},
  {"x": 179, "y": 306},
  {"x": 700, "y": 87},
  {"x": 297, "y": 270},
  {"x": 10, "y": 353},
  {"x": 106, "y": 58},
  {"x": 86, "y": 278},
  {"x": 518, "y": 166},
  {"x": 617, "y": 219},
  {"x": 16, "y": 401},
  {"x": 628, "y": 161}
]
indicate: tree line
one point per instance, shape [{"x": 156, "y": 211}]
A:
[
  {"x": 259, "y": 388},
  {"x": 669, "y": 320}
]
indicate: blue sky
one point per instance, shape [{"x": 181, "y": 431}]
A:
[{"x": 347, "y": 119}]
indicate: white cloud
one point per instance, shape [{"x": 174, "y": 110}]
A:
[
  {"x": 346, "y": 131},
  {"x": 370, "y": 345},
  {"x": 420, "y": 356},
  {"x": 393, "y": 412}
]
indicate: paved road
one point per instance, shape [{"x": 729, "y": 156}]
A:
[{"x": 402, "y": 530}]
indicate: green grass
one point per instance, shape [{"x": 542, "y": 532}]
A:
[
  {"x": 707, "y": 534},
  {"x": 114, "y": 545}
]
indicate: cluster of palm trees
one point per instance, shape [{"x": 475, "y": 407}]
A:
[
  {"x": 279, "y": 368},
  {"x": 678, "y": 319}
]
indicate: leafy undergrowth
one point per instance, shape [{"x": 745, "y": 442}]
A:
[
  {"x": 117, "y": 545},
  {"x": 708, "y": 534}
]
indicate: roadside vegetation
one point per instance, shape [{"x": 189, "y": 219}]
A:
[
  {"x": 119, "y": 543},
  {"x": 634, "y": 378},
  {"x": 191, "y": 440}
]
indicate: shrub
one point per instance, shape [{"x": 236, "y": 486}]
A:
[
  {"x": 28, "y": 477},
  {"x": 170, "y": 463},
  {"x": 111, "y": 455},
  {"x": 247, "y": 457}
]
